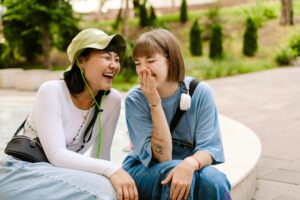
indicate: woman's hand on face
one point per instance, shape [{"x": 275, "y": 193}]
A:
[
  {"x": 124, "y": 185},
  {"x": 181, "y": 177},
  {"x": 148, "y": 86}
]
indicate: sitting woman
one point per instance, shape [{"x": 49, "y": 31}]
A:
[
  {"x": 69, "y": 116},
  {"x": 172, "y": 164}
]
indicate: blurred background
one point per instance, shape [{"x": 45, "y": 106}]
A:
[{"x": 218, "y": 37}]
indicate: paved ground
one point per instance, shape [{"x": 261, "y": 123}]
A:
[{"x": 269, "y": 103}]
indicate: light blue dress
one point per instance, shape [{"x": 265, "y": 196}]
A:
[
  {"x": 71, "y": 175},
  {"x": 35, "y": 181},
  {"x": 198, "y": 129}
]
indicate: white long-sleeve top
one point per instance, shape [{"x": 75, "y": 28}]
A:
[{"x": 56, "y": 121}]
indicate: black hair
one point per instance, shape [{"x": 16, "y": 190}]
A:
[{"x": 73, "y": 76}]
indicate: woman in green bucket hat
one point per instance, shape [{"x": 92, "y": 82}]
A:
[{"x": 69, "y": 116}]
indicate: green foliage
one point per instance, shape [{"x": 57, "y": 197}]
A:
[
  {"x": 285, "y": 57},
  {"x": 7, "y": 56},
  {"x": 212, "y": 18},
  {"x": 117, "y": 22},
  {"x": 260, "y": 12},
  {"x": 183, "y": 12},
  {"x": 213, "y": 15},
  {"x": 230, "y": 65},
  {"x": 25, "y": 21},
  {"x": 64, "y": 29},
  {"x": 250, "y": 45},
  {"x": 136, "y": 7},
  {"x": 215, "y": 45},
  {"x": 152, "y": 17},
  {"x": 143, "y": 15},
  {"x": 295, "y": 43},
  {"x": 269, "y": 13},
  {"x": 195, "y": 39},
  {"x": 128, "y": 66}
]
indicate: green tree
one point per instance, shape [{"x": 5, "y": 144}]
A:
[
  {"x": 143, "y": 15},
  {"x": 34, "y": 26},
  {"x": 250, "y": 38},
  {"x": 195, "y": 39},
  {"x": 216, "y": 46},
  {"x": 183, "y": 11},
  {"x": 152, "y": 17}
]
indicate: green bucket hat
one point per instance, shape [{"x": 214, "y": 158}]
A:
[{"x": 96, "y": 39}]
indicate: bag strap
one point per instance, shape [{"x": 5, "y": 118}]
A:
[
  {"x": 178, "y": 114},
  {"x": 20, "y": 127}
]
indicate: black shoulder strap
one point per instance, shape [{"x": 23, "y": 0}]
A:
[
  {"x": 178, "y": 114},
  {"x": 88, "y": 132},
  {"x": 20, "y": 127}
]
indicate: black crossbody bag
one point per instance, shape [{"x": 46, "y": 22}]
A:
[{"x": 27, "y": 149}]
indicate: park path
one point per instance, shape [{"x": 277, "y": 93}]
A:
[{"x": 268, "y": 102}]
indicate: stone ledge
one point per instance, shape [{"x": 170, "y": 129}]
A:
[
  {"x": 20, "y": 79},
  {"x": 242, "y": 152}
]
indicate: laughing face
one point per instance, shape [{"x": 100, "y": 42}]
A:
[
  {"x": 100, "y": 68},
  {"x": 157, "y": 64}
]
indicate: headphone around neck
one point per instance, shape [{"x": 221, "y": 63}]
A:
[{"x": 185, "y": 98}]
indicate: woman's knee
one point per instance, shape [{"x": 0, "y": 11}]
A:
[{"x": 213, "y": 179}]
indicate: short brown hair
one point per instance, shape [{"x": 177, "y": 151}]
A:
[{"x": 163, "y": 42}]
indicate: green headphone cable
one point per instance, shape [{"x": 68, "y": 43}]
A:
[{"x": 99, "y": 109}]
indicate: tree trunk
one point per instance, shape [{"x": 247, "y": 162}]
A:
[
  {"x": 100, "y": 13},
  {"x": 173, "y": 5},
  {"x": 46, "y": 46},
  {"x": 286, "y": 12},
  {"x": 126, "y": 18}
]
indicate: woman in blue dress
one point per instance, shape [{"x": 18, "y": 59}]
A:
[{"x": 172, "y": 164}]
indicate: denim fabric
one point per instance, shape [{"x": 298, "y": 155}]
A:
[
  {"x": 23, "y": 180},
  {"x": 207, "y": 184}
]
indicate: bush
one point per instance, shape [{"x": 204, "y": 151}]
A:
[
  {"x": 143, "y": 15},
  {"x": 285, "y": 57},
  {"x": 8, "y": 57},
  {"x": 128, "y": 66},
  {"x": 183, "y": 12},
  {"x": 295, "y": 43},
  {"x": 215, "y": 45},
  {"x": 269, "y": 13},
  {"x": 250, "y": 38},
  {"x": 152, "y": 17},
  {"x": 195, "y": 39},
  {"x": 212, "y": 18}
]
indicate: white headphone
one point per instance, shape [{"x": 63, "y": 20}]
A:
[{"x": 185, "y": 99}]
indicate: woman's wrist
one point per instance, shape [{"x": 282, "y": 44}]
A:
[
  {"x": 192, "y": 162},
  {"x": 154, "y": 105},
  {"x": 198, "y": 162}
]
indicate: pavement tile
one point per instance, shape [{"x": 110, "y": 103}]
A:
[
  {"x": 268, "y": 190},
  {"x": 271, "y": 163},
  {"x": 284, "y": 176},
  {"x": 293, "y": 194},
  {"x": 293, "y": 165},
  {"x": 290, "y": 153}
]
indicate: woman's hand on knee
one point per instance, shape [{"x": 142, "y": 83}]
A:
[
  {"x": 124, "y": 185},
  {"x": 181, "y": 177}
]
